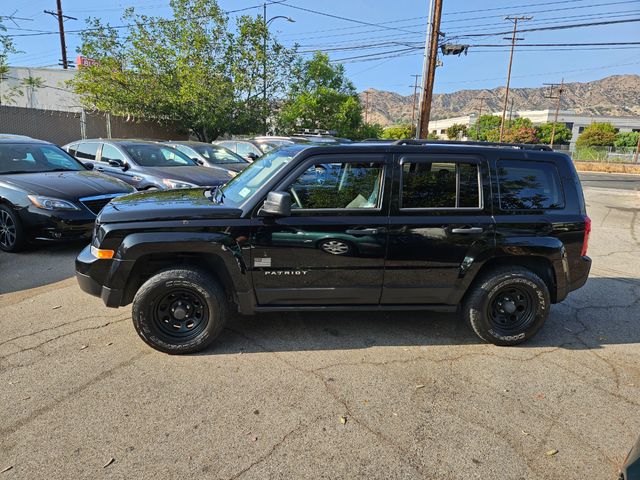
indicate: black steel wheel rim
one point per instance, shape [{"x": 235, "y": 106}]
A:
[
  {"x": 8, "y": 233},
  {"x": 512, "y": 309},
  {"x": 181, "y": 313}
]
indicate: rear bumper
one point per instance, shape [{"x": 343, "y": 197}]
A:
[
  {"x": 580, "y": 273},
  {"x": 91, "y": 274}
]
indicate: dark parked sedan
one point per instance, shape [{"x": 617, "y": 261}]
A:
[
  {"x": 145, "y": 164},
  {"x": 47, "y": 194},
  {"x": 209, "y": 155}
]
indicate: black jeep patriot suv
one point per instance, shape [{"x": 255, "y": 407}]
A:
[{"x": 500, "y": 230}]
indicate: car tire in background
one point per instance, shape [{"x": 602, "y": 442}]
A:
[
  {"x": 335, "y": 246},
  {"x": 180, "y": 311},
  {"x": 507, "y": 305},
  {"x": 12, "y": 236}
]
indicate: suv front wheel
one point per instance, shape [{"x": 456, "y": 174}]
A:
[
  {"x": 507, "y": 306},
  {"x": 179, "y": 311}
]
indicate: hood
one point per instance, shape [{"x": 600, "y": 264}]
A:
[
  {"x": 203, "y": 176},
  {"x": 161, "y": 205},
  {"x": 67, "y": 185}
]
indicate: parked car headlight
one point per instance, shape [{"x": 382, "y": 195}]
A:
[
  {"x": 170, "y": 183},
  {"x": 48, "y": 203}
]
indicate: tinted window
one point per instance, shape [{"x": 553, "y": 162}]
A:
[
  {"x": 25, "y": 158},
  {"x": 87, "y": 150},
  {"x": 72, "y": 149},
  {"x": 338, "y": 185},
  {"x": 440, "y": 185},
  {"x": 109, "y": 152},
  {"x": 153, "y": 155},
  {"x": 529, "y": 185}
]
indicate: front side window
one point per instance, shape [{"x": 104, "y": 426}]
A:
[
  {"x": 351, "y": 185},
  {"x": 527, "y": 185},
  {"x": 153, "y": 155},
  {"x": 109, "y": 152},
  {"x": 219, "y": 155},
  {"x": 440, "y": 185},
  {"x": 245, "y": 148}
]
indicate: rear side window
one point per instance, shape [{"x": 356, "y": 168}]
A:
[
  {"x": 440, "y": 185},
  {"x": 527, "y": 185},
  {"x": 87, "y": 151}
]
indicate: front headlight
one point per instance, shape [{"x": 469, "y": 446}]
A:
[
  {"x": 170, "y": 183},
  {"x": 48, "y": 203}
]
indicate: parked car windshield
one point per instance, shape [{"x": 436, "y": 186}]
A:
[
  {"x": 245, "y": 185},
  {"x": 218, "y": 155},
  {"x": 35, "y": 158},
  {"x": 150, "y": 155}
]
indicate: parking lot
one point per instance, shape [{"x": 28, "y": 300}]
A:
[{"x": 340, "y": 395}]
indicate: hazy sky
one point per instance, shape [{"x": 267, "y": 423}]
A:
[{"x": 401, "y": 26}]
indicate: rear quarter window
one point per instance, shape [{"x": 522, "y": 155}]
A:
[{"x": 529, "y": 185}]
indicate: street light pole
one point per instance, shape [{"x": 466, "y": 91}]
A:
[{"x": 264, "y": 62}]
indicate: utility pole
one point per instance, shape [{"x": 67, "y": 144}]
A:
[
  {"x": 555, "y": 118},
  {"x": 482, "y": 98},
  {"x": 366, "y": 107},
  {"x": 415, "y": 97},
  {"x": 515, "y": 21},
  {"x": 635, "y": 155},
  {"x": 428, "y": 79},
  {"x": 511, "y": 111},
  {"x": 61, "y": 18}
]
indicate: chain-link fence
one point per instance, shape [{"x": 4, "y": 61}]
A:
[
  {"x": 604, "y": 154},
  {"x": 61, "y": 127}
]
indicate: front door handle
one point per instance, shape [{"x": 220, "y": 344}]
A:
[
  {"x": 467, "y": 230},
  {"x": 363, "y": 231},
  {"x": 100, "y": 169}
]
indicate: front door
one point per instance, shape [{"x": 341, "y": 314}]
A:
[
  {"x": 331, "y": 250},
  {"x": 440, "y": 223}
]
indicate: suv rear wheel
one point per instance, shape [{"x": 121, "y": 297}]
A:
[
  {"x": 179, "y": 311},
  {"x": 507, "y": 306}
]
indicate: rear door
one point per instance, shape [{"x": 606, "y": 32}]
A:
[
  {"x": 330, "y": 250},
  {"x": 440, "y": 221}
]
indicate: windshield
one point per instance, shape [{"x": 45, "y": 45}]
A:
[
  {"x": 35, "y": 158},
  {"x": 245, "y": 185},
  {"x": 151, "y": 155},
  {"x": 218, "y": 155}
]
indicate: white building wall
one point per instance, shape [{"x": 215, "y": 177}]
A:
[{"x": 53, "y": 95}]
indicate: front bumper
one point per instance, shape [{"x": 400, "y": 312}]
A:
[
  {"x": 92, "y": 274},
  {"x": 57, "y": 225}
]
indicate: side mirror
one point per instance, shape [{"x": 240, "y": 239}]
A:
[
  {"x": 277, "y": 204},
  {"x": 89, "y": 166},
  {"x": 252, "y": 156},
  {"x": 198, "y": 161},
  {"x": 116, "y": 163}
]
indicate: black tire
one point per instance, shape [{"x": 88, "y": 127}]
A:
[
  {"x": 12, "y": 236},
  {"x": 335, "y": 246},
  {"x": 166, "y": 304},
  {"x": 507, "y": 306}
]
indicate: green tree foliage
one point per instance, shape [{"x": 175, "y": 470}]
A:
[
  {"x": 7, "y": 94},
  {"x": 597, "y": 134},
  {"x": 482, "y": 127},
  {"x": 190, "y": 70},
  {"x": 369, "y": 130},
  {"x": 321, "y": 96},
  {"x": 627, "y": 139},
  {"x": 399, "y": 132},
  {"x": 456, "y": 131},
  {"x": 562, "y": 135}
]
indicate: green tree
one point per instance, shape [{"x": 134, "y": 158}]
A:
[
  {"x": 399, "y": 132},
  {"x": 321, "y": 96},
  {"x": 483, "y": 126},
  {"x": 369, "y": 130},
  {"x": 7, "y": 93},
  {"x": 627, "y": 139},
  {"x": 562, "y": 135},
  {"x": 456, "y": 131},
  {"x": 597, "y": 135},
  {"x": 190, "y": 70}
]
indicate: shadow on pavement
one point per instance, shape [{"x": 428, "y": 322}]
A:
[
  {"x": 41, "y": 264},
  {"x": 606, "y": 311}
]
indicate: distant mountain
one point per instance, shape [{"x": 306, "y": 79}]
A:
[{"x": 618, "y": 95}]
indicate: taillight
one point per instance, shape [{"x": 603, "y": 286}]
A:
[{"x": 587, "y": 231}]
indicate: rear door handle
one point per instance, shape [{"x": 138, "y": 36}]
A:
[
  {"x": 363, "y": 231},
  {"x": 467, "y": 230}
]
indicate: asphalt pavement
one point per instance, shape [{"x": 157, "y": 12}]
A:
[
  {"x": 614, "y": 181},
  {"x": 340, "y": 395}
]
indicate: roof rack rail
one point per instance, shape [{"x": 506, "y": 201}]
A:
[{"x": 521, "y": 146}]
